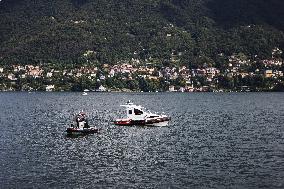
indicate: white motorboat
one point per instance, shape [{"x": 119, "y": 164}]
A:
[{"x": 138, "y": 115}]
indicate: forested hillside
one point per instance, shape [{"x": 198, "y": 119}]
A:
[{"x": 194, "y": 31}]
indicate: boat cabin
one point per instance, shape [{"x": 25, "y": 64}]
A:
[{"x": 135, "y": 112}]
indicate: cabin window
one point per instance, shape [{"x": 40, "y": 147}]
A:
[
  {"x": 130, "y": 112},
  {"x": 137, "y": 112}
]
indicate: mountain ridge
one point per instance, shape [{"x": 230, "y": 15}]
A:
[{"x": 194, "y": 30}]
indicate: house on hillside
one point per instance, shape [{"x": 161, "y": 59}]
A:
[
  {"x": 101, "y": 89},
  {"x": 268, "y": 73},
  {"x": 50, "y": 88},
  {"x": 172, "y": 89}
]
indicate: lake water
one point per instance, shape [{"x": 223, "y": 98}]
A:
[{"x": 215, "y": 140}]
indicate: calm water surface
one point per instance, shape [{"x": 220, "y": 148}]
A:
[{"x": 231, "y": 140}]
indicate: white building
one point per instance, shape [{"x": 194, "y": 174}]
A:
[
  {"x": 101, "y": 89},
  {"x": 172, "y": 88},
  {"x": 50, "y": 88},
  {"x": 12, "y": 77},
  {"x": 49, "y": 74}
]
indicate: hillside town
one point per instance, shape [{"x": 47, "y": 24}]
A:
[{"x": 238, "y": 74}]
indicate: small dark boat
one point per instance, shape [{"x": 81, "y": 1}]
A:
[
  {"x": 81, "y": 126},
  {"x": 82, "y": 131}
]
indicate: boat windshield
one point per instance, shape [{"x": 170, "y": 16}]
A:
[{"x": 146, "y": 110}]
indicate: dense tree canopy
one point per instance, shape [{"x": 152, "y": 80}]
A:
[{"x": 189, "y": 31}]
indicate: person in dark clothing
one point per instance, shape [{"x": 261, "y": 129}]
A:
[
  {"x": 77, "y": 121},
  {"x": 86, "y": 125}
]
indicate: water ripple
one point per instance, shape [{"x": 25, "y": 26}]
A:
[{"x": 214, "y": 141}]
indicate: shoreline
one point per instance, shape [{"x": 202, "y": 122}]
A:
[{"x": 137, "y": 92}]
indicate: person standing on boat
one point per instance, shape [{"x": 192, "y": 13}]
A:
[
  {"x": 86, "y": 124},
  {"x": 79, "y": 118}
]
